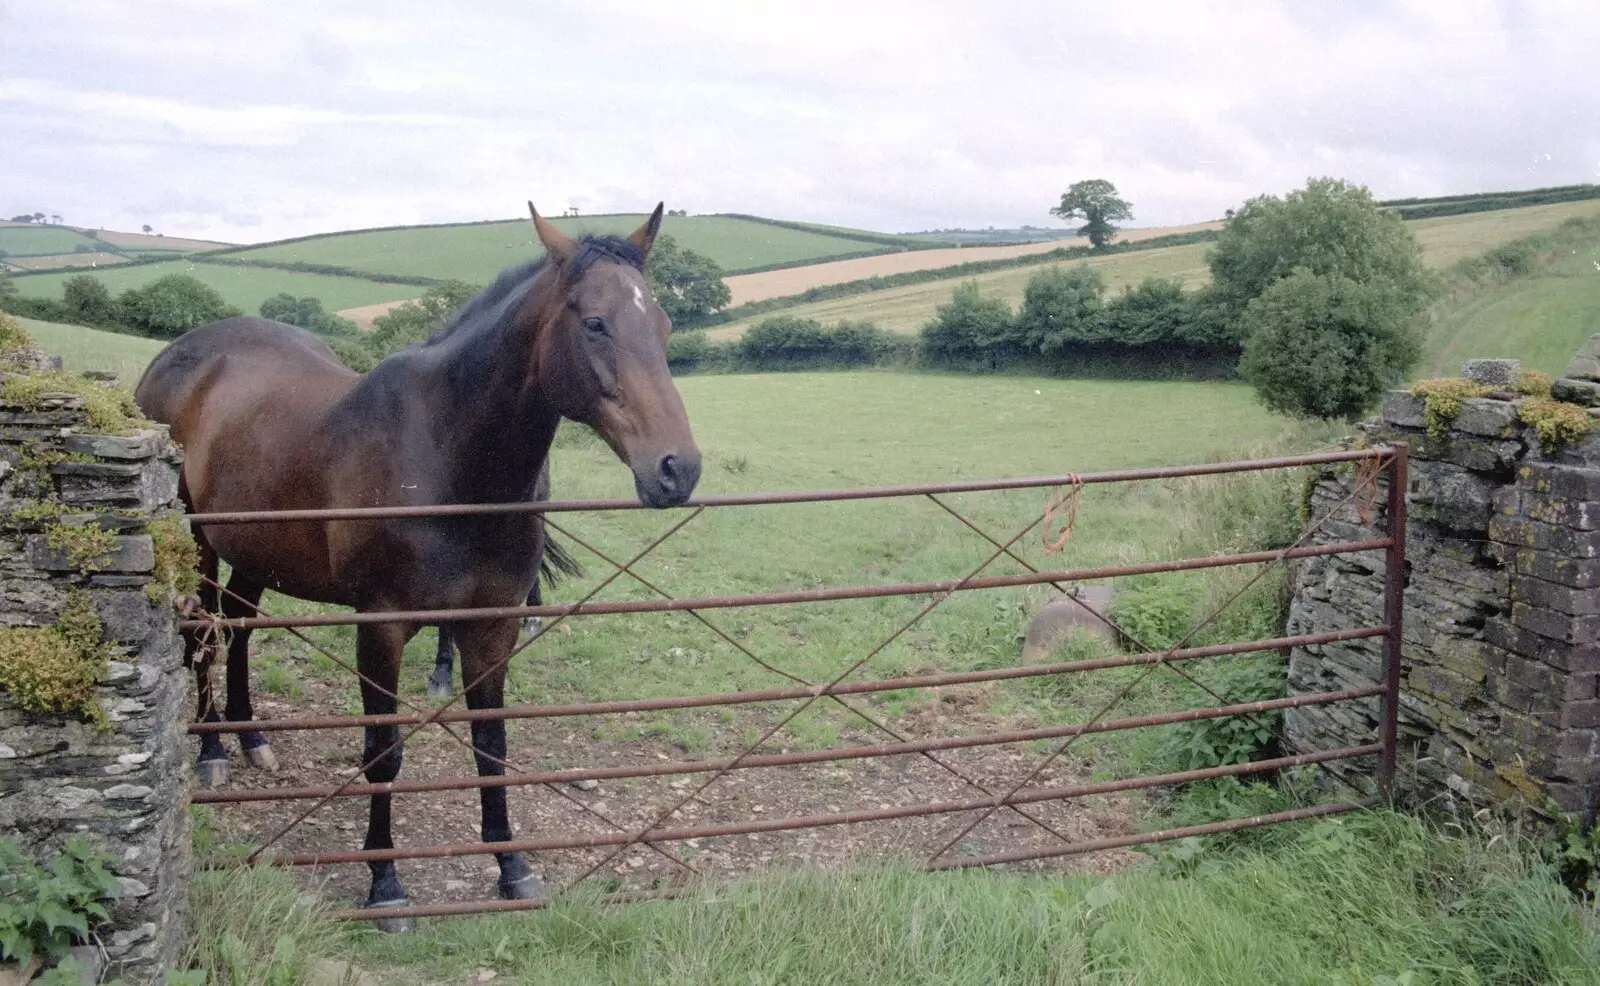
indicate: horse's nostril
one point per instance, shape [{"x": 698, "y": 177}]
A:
[{"x": 667, "y": 470}]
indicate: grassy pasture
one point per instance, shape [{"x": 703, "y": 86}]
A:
[
  {"x": 475, "y": 253},
  {"x": 55, "y": 261},
  {"x": 246, "y": 287},
  {"x": 880, "y": 428},
  {"x": 1541, "y": 318},
  {"x": 82, "y": 348},
  {"x": 1444, "y": 241},
  {"x": 1375, "y": 899},
  {"x": 31, "y": 240}
]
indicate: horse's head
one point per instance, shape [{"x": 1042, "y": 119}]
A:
[{"x": 602, "y": 356}]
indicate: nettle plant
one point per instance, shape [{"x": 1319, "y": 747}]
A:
[{"x": 44, "y": 912}]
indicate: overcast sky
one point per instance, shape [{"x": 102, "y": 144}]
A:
[{"x": 255, "y": 121}]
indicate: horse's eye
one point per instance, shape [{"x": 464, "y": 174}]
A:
[{"x": 596, "y": 326}]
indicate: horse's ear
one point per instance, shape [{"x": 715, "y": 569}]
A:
[
  {"x": 559, "y": 245},
  {"x": 645, "y": 236}
]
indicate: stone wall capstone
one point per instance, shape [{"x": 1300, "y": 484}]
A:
[
  {"x": 1500, "y": 691},
  {"x": 124, "y": 784}
]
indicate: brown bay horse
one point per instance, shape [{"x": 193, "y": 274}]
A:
[{"x": 269, "y": 419}]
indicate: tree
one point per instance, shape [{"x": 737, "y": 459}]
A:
[
  {"x": 26, "y": 217},
  {"x": 307, "y": 313},
  {"x": 1326, "y": 345},
  {"x": 1348, "y": 260},
  {"x": 415, "y": 321},
  {"x": 145, "y": 229},
  {"x": 1329, "y": 227},
  {"x": 687, "y": 285},
  {"x": 968, "y": 327},
  {"x": 172, "y": 305},
  {"x": 1059, "y": 307},
  {"x": 90, "y": 301},
  {"x": 1095, "y": 201}
]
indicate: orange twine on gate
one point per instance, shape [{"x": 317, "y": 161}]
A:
[{"x": 1059, "y": 501}]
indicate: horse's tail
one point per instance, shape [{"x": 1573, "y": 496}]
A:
[{"x": 557, "y": 562}]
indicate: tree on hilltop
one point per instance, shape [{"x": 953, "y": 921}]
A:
[{"x": 1095, "y": 201}]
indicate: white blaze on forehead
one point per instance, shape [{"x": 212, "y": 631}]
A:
[{"x": 638, "y": 298}]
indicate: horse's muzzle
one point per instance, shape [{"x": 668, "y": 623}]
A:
[{"x": 671, "y": 481}]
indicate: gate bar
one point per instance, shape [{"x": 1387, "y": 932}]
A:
[
  {"x": 1394, "y": 604},
  {"x": 785, "y": 759},
  {"x": 820, "y": 821},
  {"x": 433, "y": 616},
  {"x": 798, "y": 496},
  {"x": 782, "y": 694}
]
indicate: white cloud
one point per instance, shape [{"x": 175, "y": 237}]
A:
[{"x": 256, "y": 121}]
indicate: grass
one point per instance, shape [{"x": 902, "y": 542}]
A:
[
  {"x": 878, "y": 428},
  {"x": 1444, "y": 242},
  {"x": 28, "y": 240},
  {"x": 52, "y": 261},
  {"x": 82, "y": 348},
  {"x": 1375, "y": 899},
  {"x": 1540, "y": 318},
  {"x": 245, "y": 287},
  {"x": 475, "y": 253}
]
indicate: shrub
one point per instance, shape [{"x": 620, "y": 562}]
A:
[
  {"x": 970, "y": 327},
  {"x": 306, "y": 313},
  {"x": 784, "y": 340},
  {"x": 1328, "y": 347},
  {"x": 90, "y": 301},
  {"x": 46, "y": 912},
  {"x": 1154, "y": 313},
  {"x": 169, "y": 306},
  {"x": 1442, "y": 401},
  {"x": 1060, "y": 306}
]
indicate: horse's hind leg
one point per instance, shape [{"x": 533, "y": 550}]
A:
[
  {"x": 439, "y": 681},
  {"x": 378, "y": 650},
  {"x": 239, "y": 601},
  {"x": 485, "y": 645},
  {"x": 199, "y": 652}
]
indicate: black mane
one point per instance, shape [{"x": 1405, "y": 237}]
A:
[{"x": 496, "y": 303}]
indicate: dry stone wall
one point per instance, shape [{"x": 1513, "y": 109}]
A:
[
  {"x": 1500, "y": 694},
  {"x": 124, "y": 782}
]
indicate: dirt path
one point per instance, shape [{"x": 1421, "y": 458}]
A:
[{"x": 322, "y": 758}]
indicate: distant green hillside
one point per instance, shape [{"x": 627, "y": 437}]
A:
[
  {"x": 246, "y": 287},
  {"x": 25, "y": 241},
  {"x": 475, "y": 252},
  {"x": 83, "y": 348},
  {"x": 1540, "y": 317}
]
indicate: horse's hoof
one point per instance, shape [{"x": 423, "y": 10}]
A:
[
  {"x": 439, "y": 689},
  {"x": 212, "y": 773},
  {"x": 261, "y": 757},
  {"x": 529, "y": 887},
  {"x": 396, "y": 925}
]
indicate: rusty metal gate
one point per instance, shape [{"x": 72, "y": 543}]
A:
[{"x": 1376, "y": 468}]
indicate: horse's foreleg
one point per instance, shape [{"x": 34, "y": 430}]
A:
[
  {"x": 378, "y": 649},
  {"x": 485, "y": 646},
  {"x": 439, "y": 681},
  {"x": 240, "y": 600}
]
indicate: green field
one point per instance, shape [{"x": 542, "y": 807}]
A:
[
  {"x": 1444, "y": 242},
  {"x": 246, "y": 287},
  {"x": 475, "y": 253},
  {"x": 82, "y": 349},
  {"x": 30, "y": 240},
  {"x": 1540, "y": 318}
]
